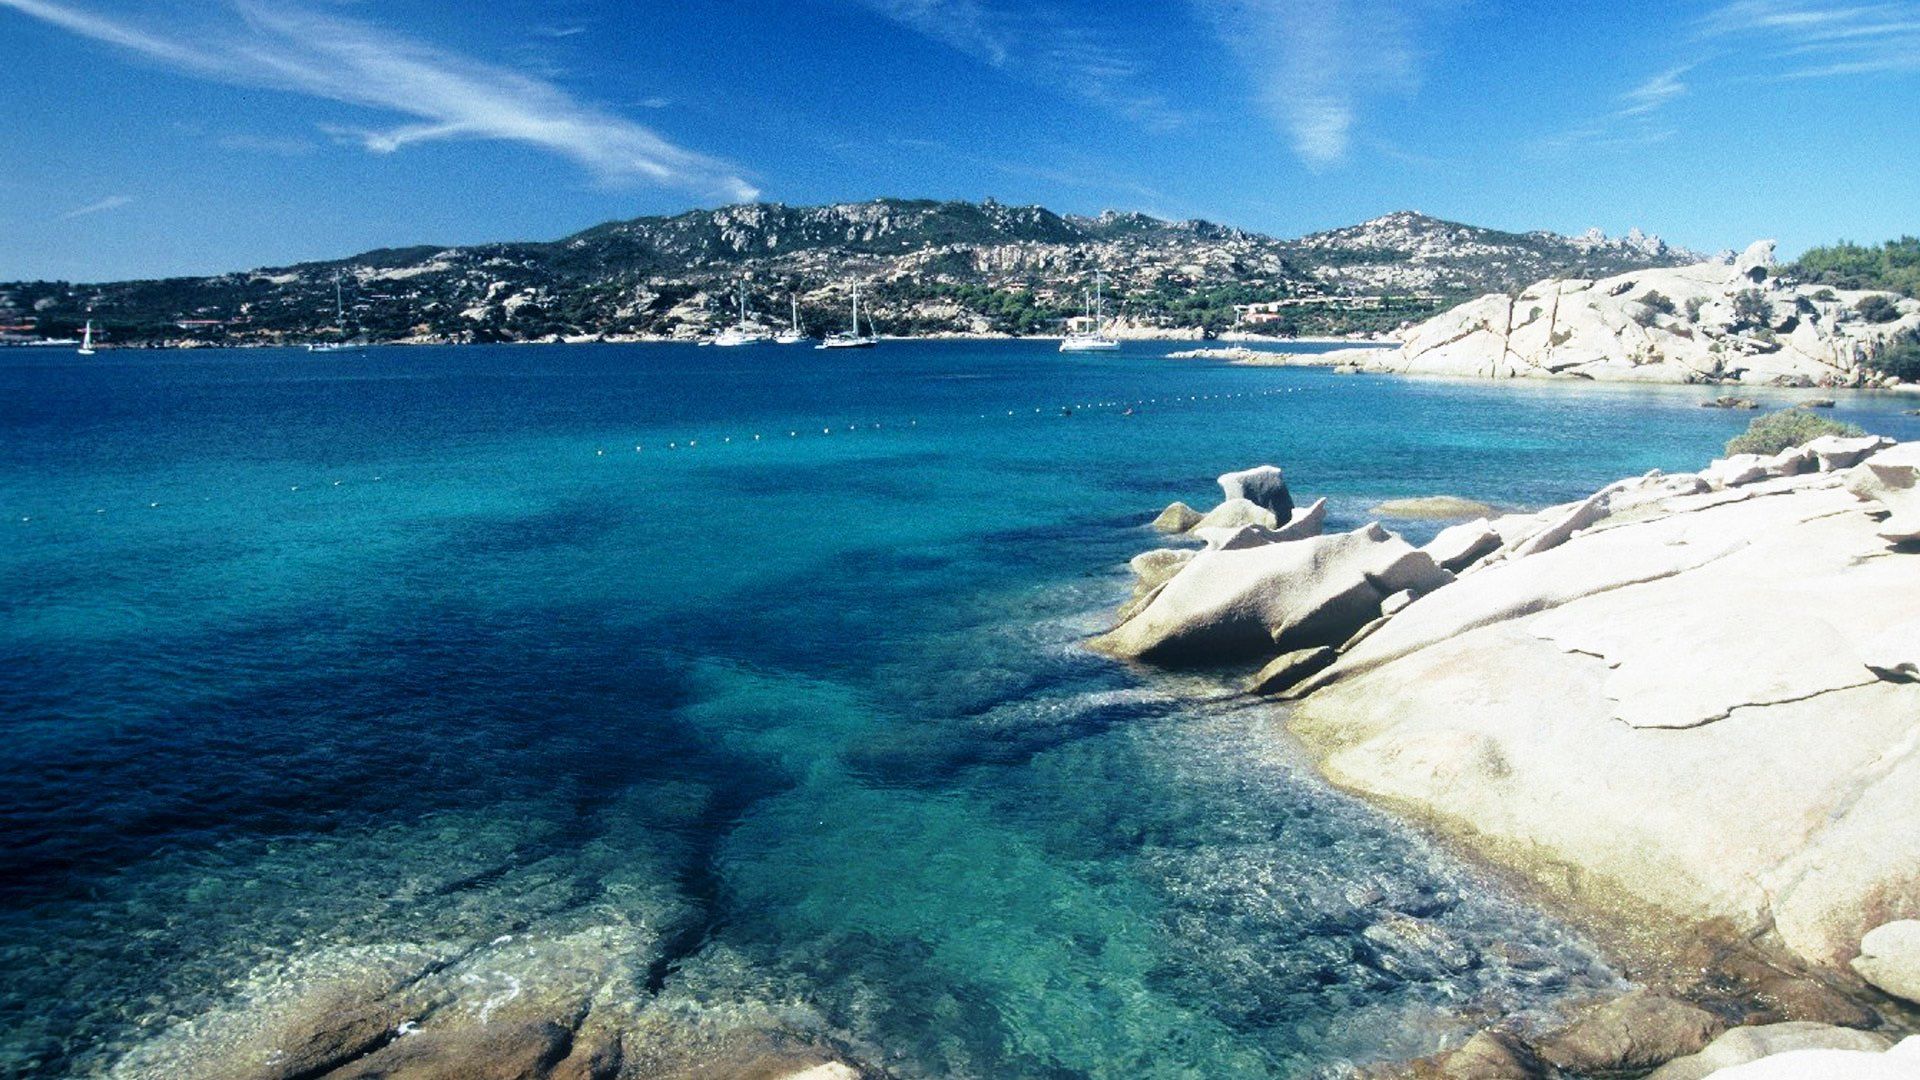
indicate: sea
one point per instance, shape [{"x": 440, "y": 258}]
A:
[{"x": 778, "y": 651}]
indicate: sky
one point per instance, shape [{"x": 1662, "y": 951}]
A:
[{"x": 146, "y": 138}]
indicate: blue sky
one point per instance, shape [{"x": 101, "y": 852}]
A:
[{"x": 150, "y": 138}]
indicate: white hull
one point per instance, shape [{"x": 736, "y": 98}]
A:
[
  {"x": 736, "y": 338},
  {"x": 1087, "y": 343},
  {"x": 843, "y": 341},
  {"x": 330, "y": 346},
  {"x": 790, "y": 339}
]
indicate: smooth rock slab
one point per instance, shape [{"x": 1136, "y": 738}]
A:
[
  {"x": 1900, "y": 1063},
  {"x": 1895, "y": 654},
  {"x": 1890, "y": 958},
  {"x": 1679, "y": 662}
]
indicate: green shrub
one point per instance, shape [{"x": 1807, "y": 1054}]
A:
[
  {"x": 1877, "y": 309},
  {"x": 1898, "y": 357},
  {"x": 1751, "y": 308},
  {"x": 1893, "y": 266},
  {"x": 1694, "y": 304},
  {"x": 1658, "y": 301},
  {"x": 1826, "y": 296},
  {"x": 1784, "y": 430}
]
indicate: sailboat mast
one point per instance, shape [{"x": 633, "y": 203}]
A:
[{"x": 856, "y": 309}]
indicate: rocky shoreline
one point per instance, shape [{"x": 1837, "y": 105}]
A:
[
  {"x": 1719, "y": 322},
  {"x": 1685, "y": 706}
]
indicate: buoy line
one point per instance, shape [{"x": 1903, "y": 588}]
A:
[{"x": 1118, "y": 407}]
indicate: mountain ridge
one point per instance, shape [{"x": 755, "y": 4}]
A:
[{"x": 929, "y": 266}]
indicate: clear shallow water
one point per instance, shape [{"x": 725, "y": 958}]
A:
[{"x": 412, "y": 644}]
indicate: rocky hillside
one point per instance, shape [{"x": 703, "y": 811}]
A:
[
  {"x": 1740, "y": 320},
  {"x": 928, "y": 267}
]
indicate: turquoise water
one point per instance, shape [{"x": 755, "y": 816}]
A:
[{"x": 774, "y": 649}]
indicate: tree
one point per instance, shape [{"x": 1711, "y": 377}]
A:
[
  {"x": 1751, "y": 308},
  {"x": 1877, "y": 309},
  {"x": 1898, "y": 357}
]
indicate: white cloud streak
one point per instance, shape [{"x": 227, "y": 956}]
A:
[
  {"x": 1805, "y": 40},
  {"x": 111, "y": 202},
  {"x": 1038, "y": 45},
  {"x": 273, "y": 44},
  {"x": 1634, "y": 121},
  {"x": 1314, "y": 63}
]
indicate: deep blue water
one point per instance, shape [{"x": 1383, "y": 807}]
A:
[{"x": 777, "y": 647}]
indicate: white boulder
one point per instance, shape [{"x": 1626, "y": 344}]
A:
[
  {"x": 1460, "y": 546},
  {"x": 1231, "y": 605},
  {"x": 1234, "y": 513},
  {"x": 1262, "y": 485},
  {"x": 1744, "y": 1044},
  {"x": 1900, "y": 1063},
  {"x": 1890, "y": 958}
]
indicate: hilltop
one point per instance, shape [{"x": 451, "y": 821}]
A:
[{"x": 927, "y": 267}]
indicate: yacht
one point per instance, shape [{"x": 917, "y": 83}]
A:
[
  {"x": 740, "y": 333},
  {"x": 792, "y": 336},
  {"x": 850, "y": 339},
  {"x": 1088, "y": 337},
  {"x": 340, "y": 320},
  {"x": 86, "y": 342}
]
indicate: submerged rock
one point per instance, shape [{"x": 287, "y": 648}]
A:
[
  {"x": 1636, "y": 1031},
  {"x": 1441, "y": 507}
]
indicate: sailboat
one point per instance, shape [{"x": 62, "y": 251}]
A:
[
  {"x": 740, "y": 333},
  {"x": 794, "y": 335},
  {"x": 86, "y": 342},
  {"x": 340, "y": 320},
  {"x": 1090, "y": 339},
  {"x": 850, "y": 339}
]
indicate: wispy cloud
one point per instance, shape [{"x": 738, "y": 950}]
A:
[
  {"x": 279, "y": 146},
  {"x": 111, "y": 202},
  {"x": 1040, "y": 45},
  {"x": 1314, "y": 63},
  {"x": 1635, "y": 119},
  {"x": 1652, "y": 94},
  {"x": 447, "y": 96},
  {"x": 1797, "y": 39}
]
